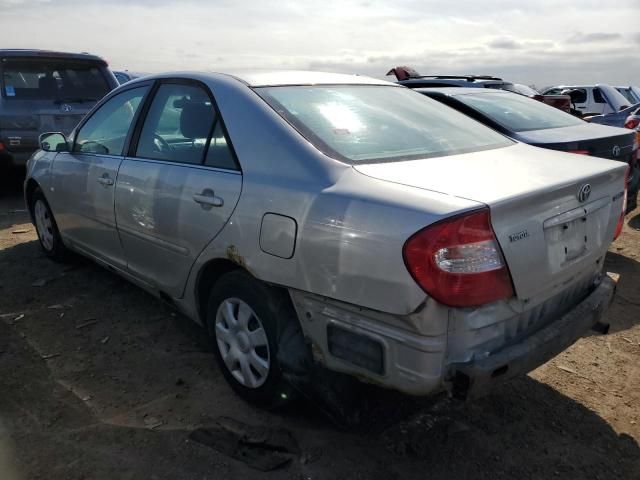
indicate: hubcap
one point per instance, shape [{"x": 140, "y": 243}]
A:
[
  {"x": 44, "y": 225},
  {"x": 242, "y": 342}
]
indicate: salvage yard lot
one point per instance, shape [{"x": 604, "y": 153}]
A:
[{"x": 100, "y": 380}]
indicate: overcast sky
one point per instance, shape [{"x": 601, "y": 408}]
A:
[{"x": 539, "y": 42}]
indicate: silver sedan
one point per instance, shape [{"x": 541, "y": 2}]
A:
[{"x": 314, "y": 220}]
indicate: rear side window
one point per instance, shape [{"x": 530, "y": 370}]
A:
[
  {"x": 219, "y": 154},
  {"x": 105, "y": 132},
  {"x": 517, "y": 113},
  {"x": 365, "y": 123},
  {"x": 59, "y": 80},
  {"x": 178, "y": 124}
]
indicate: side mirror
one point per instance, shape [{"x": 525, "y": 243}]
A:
[{"x": 53, "y": 142}]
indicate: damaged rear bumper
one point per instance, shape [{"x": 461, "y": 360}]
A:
[
  {"x": 366, "y": 345},
  {"x": 476, "y": 378}
]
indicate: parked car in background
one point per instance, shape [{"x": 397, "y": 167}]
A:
[
  {"x": 616, "y": 119},
  {"x": 126, "y": 76},
  {"x": 631, "y": 93},
  {"x": 633, "y": 122},
  {"x": 312, "y": 219},
  {"x": 562, "y": 102},
  {"x": 43, "y": 91},
  {"x": 531, "y": 122},
  {"x": 592, "y": 99},
  {"x": 408, "y": 77}
]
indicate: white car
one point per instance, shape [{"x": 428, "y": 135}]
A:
[{"x": 592, "y": 99}]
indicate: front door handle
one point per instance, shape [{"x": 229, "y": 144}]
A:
[
  {"x": 105, "y": 180},
  {"x": 208, "y": 199}
]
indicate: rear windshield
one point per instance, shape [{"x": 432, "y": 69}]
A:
[
  {"x": 517, "y": 113},
  {"x": 52, "y": 79},
  {"x": 364, "y": 123}
]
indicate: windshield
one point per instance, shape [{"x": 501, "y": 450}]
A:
[
  {"x": 522, "y": 90},
  {"x": 518, "y": 113},
  {"x": 364, "y": 123},
  {"x": 53, "y": 79}
]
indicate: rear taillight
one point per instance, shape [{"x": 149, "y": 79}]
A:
[
  {"x": 2, "y": 147},
  {"x": 579, "y": 152},
  {"x": 458, "y": 261},
  {"x": 632, "y": 123},
  {"x": 624, "y": 206}
]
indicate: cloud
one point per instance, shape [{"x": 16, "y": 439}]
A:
[
  {"x": 506, "y": 43},
  {"x": 523, "y": 41},
  {"x": 593, "y": 37}
]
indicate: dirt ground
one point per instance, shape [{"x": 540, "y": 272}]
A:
[{"x": 99, "y": 380}]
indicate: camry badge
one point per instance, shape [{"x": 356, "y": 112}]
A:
[
  {"x": 584, "y": 192},
  {"x": 616, "y": 151},
  {"x": 66, "y": 108}
]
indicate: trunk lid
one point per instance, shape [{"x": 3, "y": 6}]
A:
[
  {"x": 548, "y": 236},
  {"x": 599, "y": 140}
]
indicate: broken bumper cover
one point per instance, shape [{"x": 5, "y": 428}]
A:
[{"x": 478, "y": 377}]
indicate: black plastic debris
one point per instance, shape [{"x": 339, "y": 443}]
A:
[{"x": 259, "y": 447}]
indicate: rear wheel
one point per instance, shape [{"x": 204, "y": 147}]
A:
[
  {"x": 242, "y": 318},
  {"x": 46, "y": 228}
]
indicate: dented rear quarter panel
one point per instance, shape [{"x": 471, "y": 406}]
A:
[{"x": 350, "y": 228}]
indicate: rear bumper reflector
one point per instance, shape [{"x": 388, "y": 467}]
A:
[{"x": 357, "y": 349}]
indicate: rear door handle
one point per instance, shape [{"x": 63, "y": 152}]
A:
[
  {"x": 106, "y": 181},
  {"x": 208, "y": 199}
]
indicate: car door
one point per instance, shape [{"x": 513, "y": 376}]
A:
[
  {"x": 84, "y": 178},
  {"x": 580, "y": 98},
  {"x": 178, "y": 186}
]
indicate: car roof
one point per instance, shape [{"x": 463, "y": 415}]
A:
[
  {"x": 303, "y": 77},
  {"x": 25, "y": 52},
  {"x": 277, "y": 78}
]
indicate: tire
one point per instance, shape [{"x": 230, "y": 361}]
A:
[
  {"x": 47, "y": 229},
  {"x": 247, "y": 350}
]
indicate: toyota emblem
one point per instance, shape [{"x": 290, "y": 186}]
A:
[
  {"x": 584, "y": 192},
  {"x": 616, "y": 151},
  {"x": 66, "y": 108}
]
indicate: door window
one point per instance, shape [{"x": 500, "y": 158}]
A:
[
  {"x": 178, "y": 124},
  {"x": 105, "y": 132},
  {"x": 597, "y": 96}
]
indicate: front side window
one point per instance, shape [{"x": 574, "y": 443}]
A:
[
  {"x": 516, "y": 112},
  {"x": 579, "y": 95},
  {"x": 178, "y": 124},
  {"x": 105, "y": 132},
  {"x": 365, "y": 123},
  {"x": 47, "y": 79},
  {"x": 597, "y": 96}
]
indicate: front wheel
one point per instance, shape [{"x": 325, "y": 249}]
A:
[
  {"x": 46, "y": 228},
  {"x": 242, "y": 318}
]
